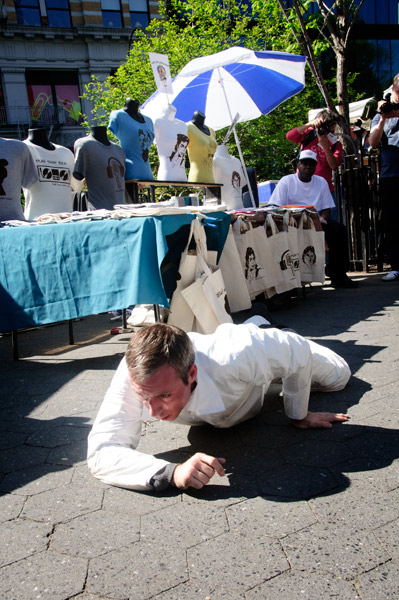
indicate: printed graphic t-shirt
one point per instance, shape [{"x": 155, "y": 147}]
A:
[
  {"x": 136, "y": 139},
  {"x": 103, "y": 167},
  {"x": 17, "y": 170},
  {"x": 52, "y": 193}
]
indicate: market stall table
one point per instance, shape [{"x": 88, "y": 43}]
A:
[{"x": 59, "y": 272}]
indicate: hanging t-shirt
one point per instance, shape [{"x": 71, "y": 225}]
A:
[
  {"x": 136, "y": 139},
  {"x": 17, "y": 169},
  {"x": 291, "y": 190},
  {"x": 201, "y": 149},
  {"x": 228, "y": 171},
  {"x": 103, "y": 167},
  {"x": 52, "y": 193}
]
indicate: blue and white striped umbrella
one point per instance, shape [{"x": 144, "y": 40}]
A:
[{"x": 233, "y": 81}]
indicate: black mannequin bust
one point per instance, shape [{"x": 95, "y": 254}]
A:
[
  {"x": 199, "y": 121},
  {"x": 100, "y": 134},
  {"x": 38, "y": 136},
  {"x": 132, "y": 109}
]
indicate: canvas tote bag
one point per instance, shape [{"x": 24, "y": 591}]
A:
[
  {"x": 279, "y": 249},
  {"x": 311, "y": 247},
  {"x": 181, "y": 314},
  {"x": 256, "y": 261},
  {"x": 233, "y": 275},
  {"x": 207, "y": 298}
]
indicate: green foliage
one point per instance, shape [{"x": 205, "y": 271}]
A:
[{"x": 198, "y": 28}]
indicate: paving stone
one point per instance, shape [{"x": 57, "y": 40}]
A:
[
  {"x": 304, "y": 585},
  {"x": 95, "y": 534},
  {"x": 315, "y": 453},
  {"x": 138, "y": 571},
  {"x": 58, "y": 436},
  {"x": 63, "y": 504},
  {"x": 251, "y": 434},
  {"x": 46, "y": 575},
  {"x": 69, "y": 454},
  {"x": 21, "y": 457},
  {"x": 297, "y": 482},
  {"x": 354, "y": 506},
  {"x": 195, "y": 523},
  {"x": 382, "y": 474},
  {"x": 275, "y": 519},
  {"x": 135, "y": 504},
  {"x": 236, "y": 561},
  {"x": 381, "y": 583},
  {"x": 10, "y": 506},
  {"x": 35, "y": 480},
  {"x": 388, "y": 536},
  {"x": 9, "y": 439},
  {"x": 21, "y": 538},
  {"x": 375, "y": 443},
  {"x": 332, "y": 549},
  {"x": 203, "y": 591},
  {"x": 387, "y": 419}
]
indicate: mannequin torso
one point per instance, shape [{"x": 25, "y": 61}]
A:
[
  {"x": 132, "y": 109},
  {"x": 39, "y": 138},
  {"x": 99, "y": 133},
  {"x": 171, "y": 140},
  {"x": 201, "y": 148}
]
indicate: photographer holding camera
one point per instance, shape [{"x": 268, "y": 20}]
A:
[
  {"x": 318, "y": 136},
  {"x": 385, "y": 131}
]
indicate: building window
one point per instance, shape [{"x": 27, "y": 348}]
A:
[
  {"x": 112, "y": 14},
  {"x": 28, "y": 12},
  {"x": 31, "y": 12},
  {"x": 53, "y": 97},
  {"x": 58, "y": 13},
  {"x": 139, "y": 14}
]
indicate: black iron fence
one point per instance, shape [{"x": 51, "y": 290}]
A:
[{"x": 356, "y": 185}]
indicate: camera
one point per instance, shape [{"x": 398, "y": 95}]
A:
[
  {"x": 325, "y": 127},
  {"x": 388, "y": 106}
]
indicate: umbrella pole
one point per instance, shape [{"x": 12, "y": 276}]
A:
[{"x": 244, "y": 168}]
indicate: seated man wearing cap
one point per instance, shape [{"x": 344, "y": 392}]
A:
[{"x": 304, "y": 188}]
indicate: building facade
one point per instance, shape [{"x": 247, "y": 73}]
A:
[{"x": 49, "y": 49}]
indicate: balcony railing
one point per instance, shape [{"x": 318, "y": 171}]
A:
[{"x": 22, "y": 116}]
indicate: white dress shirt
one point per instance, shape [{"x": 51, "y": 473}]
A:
[{"x": 236, "y": 365}]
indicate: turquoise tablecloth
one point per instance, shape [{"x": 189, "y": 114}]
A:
[{"x": 52, "y": 273}]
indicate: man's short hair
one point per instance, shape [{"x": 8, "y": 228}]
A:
[
  {"x": 157, "y": 345},
  {"x": 395, "y": 82},
  {"x": 327, "y": 115}
]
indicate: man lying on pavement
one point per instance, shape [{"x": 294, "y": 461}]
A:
[{"x": 220, "y": 379}]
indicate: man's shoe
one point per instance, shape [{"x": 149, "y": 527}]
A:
[
  {"x": 345, "y": 282},
  {"x": 391, "y": 276}
]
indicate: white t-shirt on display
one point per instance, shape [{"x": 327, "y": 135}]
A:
[
  {"x": 291, "y": 190},
  {"x": 16, "y": 170},
  {"x": 53, "y": 192},
  {"x": 228, "y": 171},
  {"x": 171, "y": 140}
]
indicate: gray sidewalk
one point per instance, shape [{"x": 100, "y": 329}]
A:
[{"x": 300, "y": 514}]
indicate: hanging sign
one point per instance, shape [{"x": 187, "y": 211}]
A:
[{"x": 160, "y": 68}]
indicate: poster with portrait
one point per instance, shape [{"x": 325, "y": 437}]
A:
[{"x": 160, "y": 68}]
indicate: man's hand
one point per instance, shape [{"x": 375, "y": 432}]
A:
[
  {"x": 322, "y": 420},
  {"x": 197, "y": 471}
]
